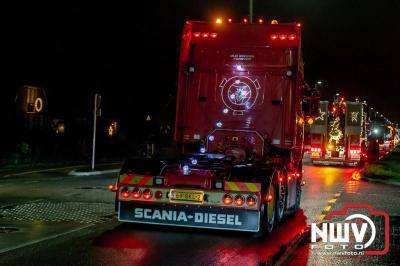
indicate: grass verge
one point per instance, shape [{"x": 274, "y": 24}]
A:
[{"x": 387, "y": 168}]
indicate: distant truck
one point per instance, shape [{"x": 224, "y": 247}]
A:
[
  {"x": 338, "y": 135},
  {"x": 241, "y": 106},
  {"x": 382, "y": 135}
]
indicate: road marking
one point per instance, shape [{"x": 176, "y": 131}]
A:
[
  {"x": 44, "y": 239},
  {"x": 52, "y": 169},
  {"x": 327, "y": 208},
  {"x": 332, "y": 201}
]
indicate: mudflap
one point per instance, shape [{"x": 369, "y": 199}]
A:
[{"x": 190, "y": 216}]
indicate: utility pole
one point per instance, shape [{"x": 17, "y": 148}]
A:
[
  {"x": 250, "y": 11},
  {"x": 96, "y": 113}
]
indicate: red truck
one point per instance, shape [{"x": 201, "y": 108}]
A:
[
  {"x": 241, "y": 106},
  {"x": 339, "y": 134}
]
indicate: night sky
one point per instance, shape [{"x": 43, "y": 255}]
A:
[{"x": 129, "y": 52}]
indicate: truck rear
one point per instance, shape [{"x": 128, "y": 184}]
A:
[
  {"x": 338, "y": 137},
  {"x": 241, "y": 106}
]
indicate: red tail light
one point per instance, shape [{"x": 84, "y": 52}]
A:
[
  {"x": 205, "y": 34},
  {"x": 136, "y": 193},
  {"x": 239, "y": 200},
  {"x": 229, "y": 20},
  {"x": 290, "y": 177},
  {"x": 245, "y": 21},
  {"x": 274, "y": 37},
  {"x": 297, "y": 174},
  {"x": 111, "y": 187},
  {"x": 280, "y": 179},
  {"x": 158, "y": 194},
  {"x": 251, "y": 201},
  {"x": 292, "y": 37},
  {"x": 125, "y": 194},
  {"x": 196, "y": 34},
  {"x": 213, "y": 35},
  {"x": 227, "y": 199},
  {"x": 260, "y": 21},
  {"x": 283, "y": 37},
  {"x": 147, "y": 194}
]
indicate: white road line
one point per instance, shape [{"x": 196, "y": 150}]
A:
[
  {"x": 52, "y": 169},
  {"x": 44, "y": 239}
]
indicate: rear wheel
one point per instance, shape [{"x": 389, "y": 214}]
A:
[
  {"x": 281, "y": 198},
  {"x": 298, "y": 195},
  {"x": 268, "y": 211}
]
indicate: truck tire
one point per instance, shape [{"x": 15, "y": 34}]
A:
[
  {"x": 267, "y": 212},
  {"x": 298, "y": 195},
  {"x": 116, "y": 202},
  {"x": 281, "y": 192}
]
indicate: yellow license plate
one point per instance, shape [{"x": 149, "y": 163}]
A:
[{"x": 186, "y": 196}]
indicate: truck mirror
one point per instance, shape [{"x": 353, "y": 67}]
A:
[{"x": 310, "y": 104}]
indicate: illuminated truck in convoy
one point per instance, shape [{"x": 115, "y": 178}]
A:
[
  {"x": 241, "y": 106},
  {"x": 338, "y": 135}
]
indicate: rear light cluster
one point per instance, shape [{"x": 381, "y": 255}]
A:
[
  {"x": 205, "y": 34},
  {"x": 355, "y": 151},
  {"x": 316, "y": 149},
  {"x": 283, "y": 37},
  {"x": 239, "y": 200},
  {"x": 136, "y": 193}
]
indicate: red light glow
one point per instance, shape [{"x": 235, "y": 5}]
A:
[
  {"x": 239, "y": 200},
  {"x": 147, "y": 194},
  {"x": 283, "y": 37},
  {"x": 274, "y": 37},
  {"x": 292, "y": 37},
  {"x": 251, "y": 201},
  {"x": 269, "y": 198},
  {"x": 260, "y": 21},
  {"x": 245, "y": 20},
  {"x": 229, "y": 20},
  {"x": 125, "y": 194},
  {"x": 205, "y": 34},
  {"x": 111, "y": 187},
  {"x": 227, "y": 199},
  {"x": 298, "y": 25},
  {"x": 136, "y": 193},
  {"x": 213, "y": 35},
  {"x": 196, "y": 34}
]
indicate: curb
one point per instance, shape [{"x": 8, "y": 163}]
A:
[
  {"x": 375, "y": 180},
  {"x": 76, "y": 173}
]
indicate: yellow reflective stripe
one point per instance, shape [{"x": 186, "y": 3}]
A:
[
  {"x": 252, "y": 187},
  {"x": 122, "y": 177},
  {"x": 150, "y": 182},
  {"x": 232, "y": 186}
]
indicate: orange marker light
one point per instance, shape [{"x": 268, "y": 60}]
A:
[
  {"x": 218, "y": 21},
  {"x": 269, "y": 198}
]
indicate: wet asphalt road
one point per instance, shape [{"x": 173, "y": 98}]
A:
[{"x": 56, "y": 219}]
